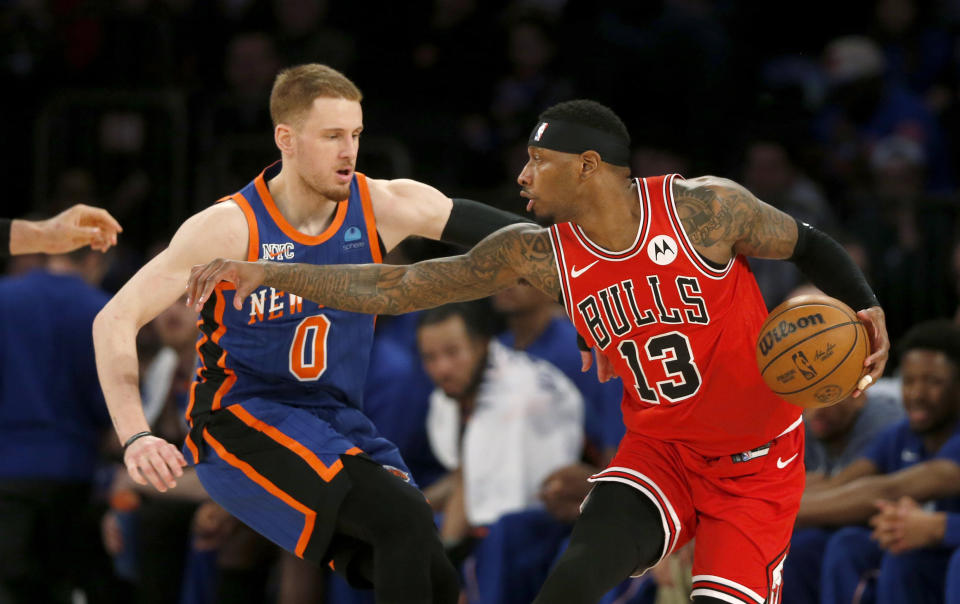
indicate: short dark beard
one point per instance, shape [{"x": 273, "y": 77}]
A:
[{"x": 476, "y": 379}]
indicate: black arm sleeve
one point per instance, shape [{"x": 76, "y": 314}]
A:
[
  {"x": 470, "y": 221},
  {"x": 5, "y": 236},
  {"x": 828, "y": 266}
]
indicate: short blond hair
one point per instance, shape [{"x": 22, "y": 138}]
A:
[{"x": 295, "y": 88}]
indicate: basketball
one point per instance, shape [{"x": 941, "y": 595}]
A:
[{"x": 811, "y": 349}]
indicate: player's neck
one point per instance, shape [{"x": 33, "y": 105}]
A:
[
  {"x": 526, "y": 327},
  {"x": 611, "y": 214},
  {"x": 304, "y": 208}
]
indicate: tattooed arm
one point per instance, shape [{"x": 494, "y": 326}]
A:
[
  {"x": 723, "y": 219},
  {"x": 514, "y": 252}
]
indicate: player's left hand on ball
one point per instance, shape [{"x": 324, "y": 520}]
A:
[
  {"x": 246, "y": 276},
  {"x": 876, "y": 325}
]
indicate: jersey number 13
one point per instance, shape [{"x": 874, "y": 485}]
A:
[{"x": 672, "y": 350}]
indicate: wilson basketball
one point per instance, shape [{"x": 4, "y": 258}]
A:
[{"x": 811, "y": 349}]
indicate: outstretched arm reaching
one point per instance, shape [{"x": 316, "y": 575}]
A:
[{"x": 521, "y": 251}]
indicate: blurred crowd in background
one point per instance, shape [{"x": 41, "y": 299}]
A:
[{"x": 843, "y": 114}]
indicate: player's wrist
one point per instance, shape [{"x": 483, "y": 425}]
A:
[
  {"x": 128, "y": 442},
  {"x": 27, "y": 236}
]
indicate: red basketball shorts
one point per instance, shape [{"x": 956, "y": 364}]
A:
[{"x": 740, "y": 509}]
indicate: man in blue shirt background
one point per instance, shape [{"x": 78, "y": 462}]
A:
[
  {"x": 919, "y": 458},
  {"x": 52, "y": 420}
]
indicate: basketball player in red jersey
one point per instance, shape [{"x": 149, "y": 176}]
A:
[
  {"x": 653, "y": 274},
  {"x": 278, "y": 436}
]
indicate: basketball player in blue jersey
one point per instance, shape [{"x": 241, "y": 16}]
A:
[{"x": 277, "y": 435}]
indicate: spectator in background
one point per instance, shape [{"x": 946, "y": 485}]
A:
[
  {"x": 773, "y": 176},
  {"x": 232, "y": 136},
  {"x": 69, "y": 230},
  {"x": 52, "y": 423},
  {"x": 533, "y": 80},
  {"x": 537, "y": 326},
  {"x": 918, "y": 458},
  {"x": 153, "y": 537},
  {"x": 906, "y": 527},
  {"x": 500, "y": 421},
  {"x": 917, "y": 50},
  {"x": 907, "y": 233},
  {"x": 304, "y": 36},
  {"x": 864, "y": 108},
  {"x": 837, "y": 436}
]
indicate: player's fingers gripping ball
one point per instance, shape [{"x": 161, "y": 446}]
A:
[{"x": 811, "y": 349}]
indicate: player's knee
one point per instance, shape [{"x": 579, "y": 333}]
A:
[
  {"x": 389, "y": 509},
  {"x": 616, "y": 513}
]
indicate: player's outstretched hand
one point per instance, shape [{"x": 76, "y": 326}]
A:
[
  {"x": 152, "y": 460},
  {"x": 71, "y": 229},
  {"x": 873, "y": 319},
  {"x": 247, "y": 276}
]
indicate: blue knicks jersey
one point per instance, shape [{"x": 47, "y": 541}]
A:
[{"x": 279, "y": 346}]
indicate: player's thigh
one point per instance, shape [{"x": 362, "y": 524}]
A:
[
  {"x": 279, "y": 470},
  {"x": 746, "y": 513},
  {"x": 655, "y": 471},
  {"x": 383, "y": 507}
]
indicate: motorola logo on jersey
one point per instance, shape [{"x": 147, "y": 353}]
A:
[
  {"x": 278, "y": 251},
  {"x": 662, "y": 249}
]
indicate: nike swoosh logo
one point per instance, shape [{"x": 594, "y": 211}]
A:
[
  {"x": 574, "y": 272},
  {"x": 782, "y": 464}
]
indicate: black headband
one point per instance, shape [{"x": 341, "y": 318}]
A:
[{"x": 568, "y": 137}]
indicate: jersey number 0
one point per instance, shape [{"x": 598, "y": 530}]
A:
[
  {"x": 308, "y": 352},
  {"x": 673, "y": 351}
]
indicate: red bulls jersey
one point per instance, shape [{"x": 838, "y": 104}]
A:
[{"x": 679, "y": 331}]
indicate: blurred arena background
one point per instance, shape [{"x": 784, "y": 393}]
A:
[
  {"x": 154, "y": 109},
  {"x": 843, "y": 113}
]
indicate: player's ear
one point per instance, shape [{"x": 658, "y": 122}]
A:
[
  {"x": 283, "y": 137},
  {"x": 589, "y": 163}
]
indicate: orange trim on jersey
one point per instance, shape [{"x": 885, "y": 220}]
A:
[
  {"x": 369, "y": 217},
  {"x": 193, "y": 385},
  {"x": 325, "y": 472},
  {"x": 193, "y": 448},
  {"x": 286, "y": 227},
  {"x": 260, "y": 479},
  {"x": 215, "y": 338},
  {"x": 253, "y": 234}
]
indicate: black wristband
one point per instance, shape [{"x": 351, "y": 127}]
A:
[
  {"x": 470, "y": 221},
  {"x": 5, "y": 236},
  {"x": 828, "y": 266},
  {"x": 135, "y": 438}
]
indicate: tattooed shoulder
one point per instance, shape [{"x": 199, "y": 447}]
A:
[
  {"x": 722, "y": 217},
  {"x": 712, "y": 212}
]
